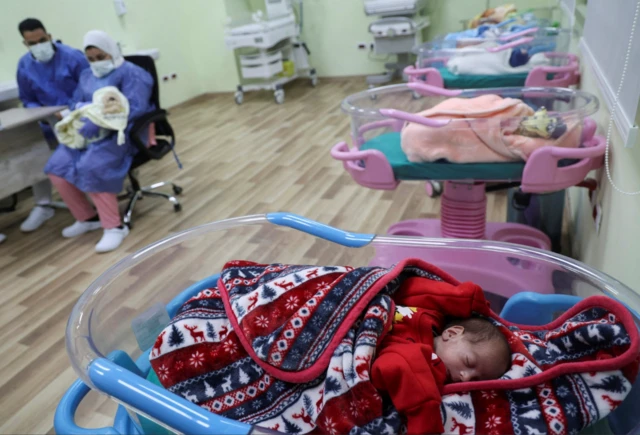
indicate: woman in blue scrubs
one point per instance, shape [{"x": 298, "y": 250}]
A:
[{"x": 100, "y": 169}]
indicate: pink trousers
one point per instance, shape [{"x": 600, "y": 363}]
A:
[{"x": 81, "y": 208}]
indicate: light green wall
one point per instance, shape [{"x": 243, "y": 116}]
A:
[
  {"x": 333, "y": 29},
  {"x": 614, "y": 249}
]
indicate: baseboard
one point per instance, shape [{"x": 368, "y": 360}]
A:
[{"x": 325, "y": 79}]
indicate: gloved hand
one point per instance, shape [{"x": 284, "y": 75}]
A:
[{"x": 89, "y": 129}]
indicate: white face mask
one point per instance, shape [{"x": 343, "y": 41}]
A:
[
  {"x": 43, "y": 52},
  {"x": 101, "y": 68}
]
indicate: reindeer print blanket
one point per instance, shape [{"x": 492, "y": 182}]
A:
[{"x": 290, "y": 348}]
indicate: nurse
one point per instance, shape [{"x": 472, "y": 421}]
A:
[
  {"x": 47, "y": 76},
  {"x": 100, "y": 169}
]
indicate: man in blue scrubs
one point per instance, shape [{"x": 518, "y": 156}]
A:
[{"x": 47, "y": 76}]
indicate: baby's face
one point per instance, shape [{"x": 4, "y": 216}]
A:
[{"x": 466, "y": 361}]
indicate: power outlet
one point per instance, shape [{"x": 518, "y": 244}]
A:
[
  {"x": 166, "y": 78},
  {"x": 174, "y": 76},
  {"x": 363, "y": 45}
]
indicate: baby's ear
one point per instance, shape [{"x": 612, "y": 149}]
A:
[{"x": 453, "y": 332}]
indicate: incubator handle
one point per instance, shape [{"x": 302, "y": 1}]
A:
[
  {"x": 369, "y": 168},
  {"x": 512, "y": 44},
  {"x": 529, "y": 308},
  {"x": 597, "y": 150},
  {"x": 300, "y": 223},
  {"x": 410, "y": 117},
  {"x": 64, "y": 419},
  {"x": 154, "y": 401},
  {"x": 519, "y": 34},
  {"x": 425, "y": 89}
]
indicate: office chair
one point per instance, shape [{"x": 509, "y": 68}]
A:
[{"x": 165, "y": 141}]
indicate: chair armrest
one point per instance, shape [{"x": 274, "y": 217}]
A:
[{"x": 142, "y": 123}]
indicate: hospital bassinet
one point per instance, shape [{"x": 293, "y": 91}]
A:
[
  {"x": 378, "y": 161},
  {"x": 540, "y": 16},
  {"x": 436, "y": 57},
  {"x": 114, "y": 324}
]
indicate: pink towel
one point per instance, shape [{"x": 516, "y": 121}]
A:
[{"x": 489, "y": 137}]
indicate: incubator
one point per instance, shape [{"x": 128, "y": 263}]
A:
[
  {"x": 269, "y": 47},
  {"x": 378, "y": 157},
  {"x": 397, "y": 32},
  {"x": 532, "y": 57},
  {"x": 538, "y": 16},
  {"x": 114, "y": 324}
]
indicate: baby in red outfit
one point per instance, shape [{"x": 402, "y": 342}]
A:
[{"x": 427, "y": 349}]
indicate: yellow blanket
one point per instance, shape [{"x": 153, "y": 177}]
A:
[{"x": 108, "y": 110}]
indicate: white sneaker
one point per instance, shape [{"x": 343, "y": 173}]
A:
[
  {"x": 111, "y": 239},
  {"x": 79, "y": 228},
  {"x": 2, "y": 237},
  {"x": 39, "y": 215}
]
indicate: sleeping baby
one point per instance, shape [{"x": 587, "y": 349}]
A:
[
  {"x": 486, "y": 129},
  {"x": 284, "y": 347},
  {"x": 423, "y": 352}
]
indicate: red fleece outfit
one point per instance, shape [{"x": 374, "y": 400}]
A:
[{"x": 406, "y": 367}]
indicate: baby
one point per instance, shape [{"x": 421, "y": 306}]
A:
[
  {"x": 472, "y": 350},
  {"x": 424, "y": 350}
]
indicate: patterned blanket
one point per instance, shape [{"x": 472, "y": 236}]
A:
[{"x": 290, "y": 348}]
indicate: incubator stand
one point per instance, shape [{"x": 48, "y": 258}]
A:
[
  {"x": 114, "y": 324},
  {"x": 377, "y": 160},
  {"x": 562, "y": 70},
  {"x": 277, "y": 55},
  {"x": 397, "y": 32}
]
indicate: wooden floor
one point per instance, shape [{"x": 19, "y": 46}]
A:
[{"x": 256, "y": 158}]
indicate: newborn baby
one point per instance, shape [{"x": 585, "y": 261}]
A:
[
  {"x": 472, "y": 350},
  {"x": 424, "y": 350}
]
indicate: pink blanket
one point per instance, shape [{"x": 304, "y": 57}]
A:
[{"x": 490, "y": 135}]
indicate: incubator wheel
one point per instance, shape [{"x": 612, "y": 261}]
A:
[
  {"x": 433, "y": 188},
  {"x": 314, "y": 81},
  {"x": 177, "y": 189},
  {"x": 177, "y": 207},
  {"x": 239, "y": 97},
  {"x": 279, "y": 96}
]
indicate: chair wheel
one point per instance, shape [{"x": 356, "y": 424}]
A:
[
  {"x": 177, "y": 207},
  {"x": 433, "y": 188},
  {"x": 279, "y": 96},
  {"x": 177, "y": 189},
  {"x": 239, "y": 97}
]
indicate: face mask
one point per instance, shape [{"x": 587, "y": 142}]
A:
[
  {"x": 43, "y": 52},
  {"x": 101, "y": 68}
]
